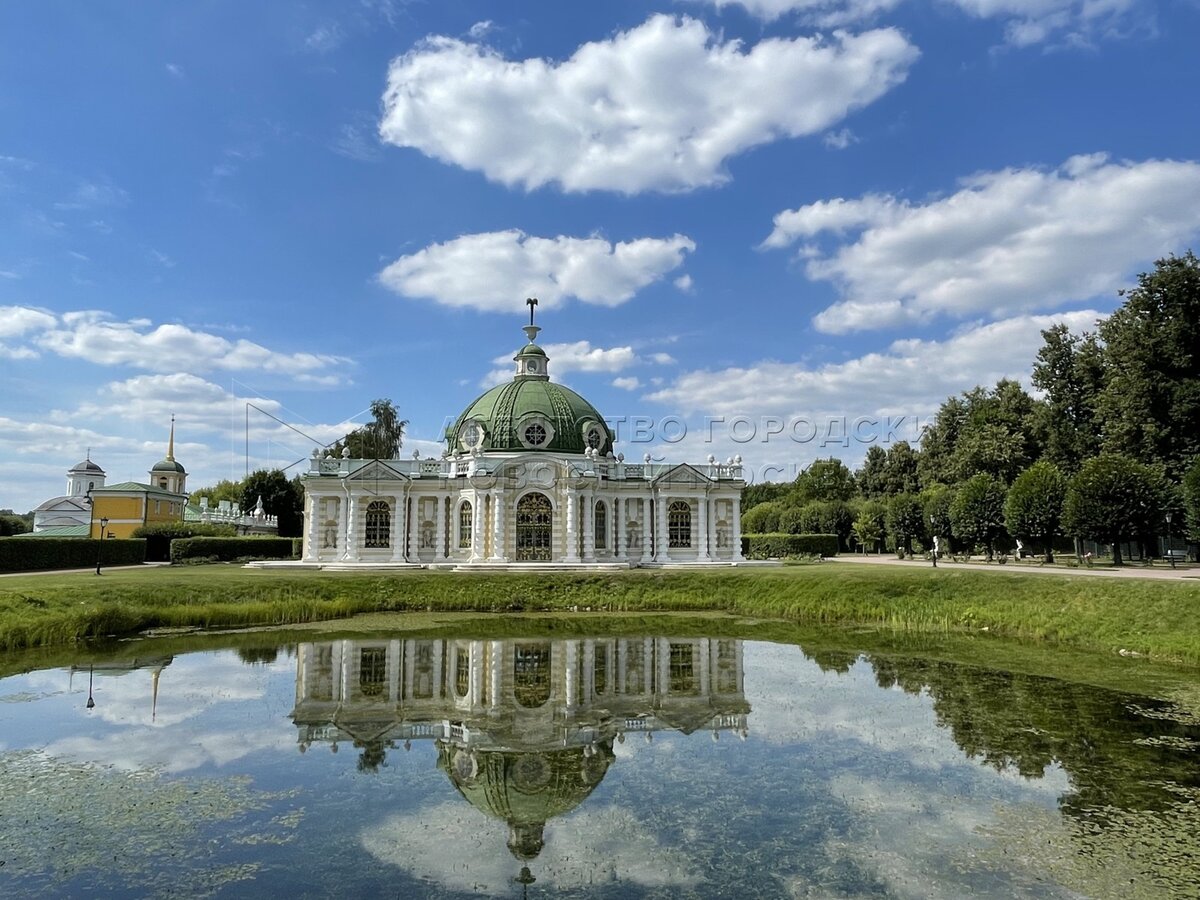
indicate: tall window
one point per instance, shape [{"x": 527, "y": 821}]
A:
[
  {"x": 601, "y": 526},
  {"x": 679, "y": 524},
  {"x": 462, "y": 671},
  {"x": 682, "y": 669},
  {"x": 531, "y": 674},
  {"x": 464, "y": 524},
  {"x": 372, "y": 671},
  {"x": 379, "y": 524}
]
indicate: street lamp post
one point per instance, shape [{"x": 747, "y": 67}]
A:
[
  {"x": 932, "y": 531},
  {"x": 1170, "y": 555},
  {"x": 100, "y": 546}
]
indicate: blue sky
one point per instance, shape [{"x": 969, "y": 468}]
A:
[{"x": 777, "y": 210}]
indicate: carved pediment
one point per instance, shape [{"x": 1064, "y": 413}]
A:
[
  {"x": 682, "y": 474},
  {"x": 378, "y": 470}
]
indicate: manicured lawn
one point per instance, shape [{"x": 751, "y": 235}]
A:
[{"x": 1159, "y": 619}]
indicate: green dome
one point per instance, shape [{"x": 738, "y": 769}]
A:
[
  {"x": 168, "y": 465},
  {"x": 506, "y": 413}
]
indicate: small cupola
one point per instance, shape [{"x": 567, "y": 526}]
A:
[{"x": 531, "y": 359}]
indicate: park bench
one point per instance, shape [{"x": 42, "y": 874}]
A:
[{"x": 1175, "y": 555}]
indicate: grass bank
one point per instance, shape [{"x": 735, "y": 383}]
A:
[{"x": 1157, "y": 619}]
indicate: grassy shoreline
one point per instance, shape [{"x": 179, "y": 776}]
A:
[{"x": 1157, "y": 619}]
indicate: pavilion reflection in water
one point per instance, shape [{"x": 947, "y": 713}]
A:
[{"x": 524, "y": 728}]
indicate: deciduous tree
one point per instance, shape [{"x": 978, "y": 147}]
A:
[
  {"x": 1112, "y": 499},
  {"x": 1033, "y": 508}
]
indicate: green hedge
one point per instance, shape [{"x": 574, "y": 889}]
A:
[
  {"x": 159, "y": 536},
  {"x": 31, "y": 554},
  {"x": 297, "y": 547},
  {"x": 778, "y": 546},
  {"x": 227, "y": 549}
]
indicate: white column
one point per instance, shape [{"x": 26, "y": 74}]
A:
[
  {"x": 439, "y": 550},
  {"x": 662, "y": 542},
  {"x": 588, "y": 502},
  {"x": 478, "y": 517},
  {"x": 589, "y": 673},
  {"x": 352, "y": 529},
  {"x": 571, "y": 681},
  {"x": 399, "y": 514},
  {"x": 646, "y": 517},
  {"x": 476, "y": 663},
  {"x": 312, "y": 527},
  {"x": 495, "y": 674},
  {"x": 702, "y": 666},
  {"x": 572, "y": 554},
  {"x": 437, "y": 669},
  {"x": 702, "y": 528},
  {"x": 498, "y": 525},
  {"x": 394, "y": 661},
  {"x": 412, "y": 525},
  {"x": 736, "y": 526},
  {"x": 618, "y": 527}
]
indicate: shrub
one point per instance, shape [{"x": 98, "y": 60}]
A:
[
  {"x": 159, "y": 535},
  {"x": 297, "y": 548},
  {"x": 768, "y": 546},
  {"x": 227, "y": 549},
  {"x": 31, "y": 554}
]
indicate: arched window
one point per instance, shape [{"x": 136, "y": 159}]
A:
[
  {"x": 679, "y": 524},
  {"x": 379, "y": 524},
  {"x": 464, "y": 524},
  {"x": 462, "y": 671},
  {"x": 601, "y": 526},
  {"x": 531, "y": 674}
]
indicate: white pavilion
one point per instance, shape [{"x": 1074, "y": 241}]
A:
[{"x": 529, "y": 478}]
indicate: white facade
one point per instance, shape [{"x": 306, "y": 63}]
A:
[{"x": 521, "y": 509}]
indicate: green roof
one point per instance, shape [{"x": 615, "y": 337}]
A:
[
  {"x": 58, "y": 531},
  {"x": 135, "y": 486},
  {"x": 506, "y": 410},
  {"x": 168, "y": 465}
]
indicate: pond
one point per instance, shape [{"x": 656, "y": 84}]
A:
[{"x": 643, "y": 764}]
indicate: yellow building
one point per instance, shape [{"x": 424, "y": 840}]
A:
[{"x": 129, "y": 505}]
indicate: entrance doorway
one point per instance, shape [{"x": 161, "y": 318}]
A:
[{"x": 535, "y": 518}]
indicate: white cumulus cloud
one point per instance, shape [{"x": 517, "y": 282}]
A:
[
  {"x": 658, "y": 107},
  {"x": 1008, "y": 241},
  {"x": 494, "y": 270}
]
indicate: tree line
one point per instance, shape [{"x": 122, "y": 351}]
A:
[{"x": 1109, "y": 452}]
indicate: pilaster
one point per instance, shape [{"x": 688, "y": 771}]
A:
[
  {"x": 588, "y": 504},
  {"x": 572, "y": 536},
  {"x": 647, "y": 553},
  {"x": 352, "y": 529},
  {"x": 736, "y": 526},
  {"x": 702, "y": 528},
  {"x": 439, "y": 551}
]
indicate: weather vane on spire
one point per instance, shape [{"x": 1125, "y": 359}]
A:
[{"x": 531, "y": 303}]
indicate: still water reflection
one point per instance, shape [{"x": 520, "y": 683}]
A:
[{"x": 622, "y": 767}]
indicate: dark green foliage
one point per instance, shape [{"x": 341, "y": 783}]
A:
[
  {"x": 1150, "y": 406},
  {"x": 1112, "y": 499},
  {"x": 34, "y": 554},
  {"x": 825, "y": 479},
  {"x": 977, "y": 513},
  {"x": 1033, "y": 508},
  {"x": 754, "y": 494},
  {"x": 905, "y": 521},
  {"x": 381, "y": 438},
  {"x": 159, "y": 536},
  {"x": 297, "y": 548},
  {"x": 10, "y": 525},
  {"x": 281, "y": 497},
  {"x": 763, "y": 518},
  {"x": 1070, "y": 372},
  {"x": 1191, "y": 499},
  {"x": 818, "y": 517},
  {"x": 231, "y": 548},
  {"x": 871, "y": 476},
  {"x": 992, "y": 432},
  {"x": 935, "y": 505},
  {"x": 782, "y": 546}
]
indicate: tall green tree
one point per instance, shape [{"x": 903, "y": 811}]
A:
[
  {"x": 825, "y": 479},
  {"x": 282, "y": 497},
  {"x": 870, "y": 526},
  {"x": 1113, "y": 499},
  {"x": 1033, "y": 508},
  {"x": 871, "y": 477},
  {"x": 763, "y": 518},
  {"x": 1150, "y": 406},
  {"x": 11, "y": 524},
  {"x": 763, "y": 492},
  {"x": 977, "y": 513},
  {"x": 905, "y": 520},
  {"x": 1191, "y": 500},
  {"x": 381, "y": 438},
  {"x": 1070, "y": 373},
  {"x": 935, "y": 505},
  {"x": 995, "y": 432}
]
